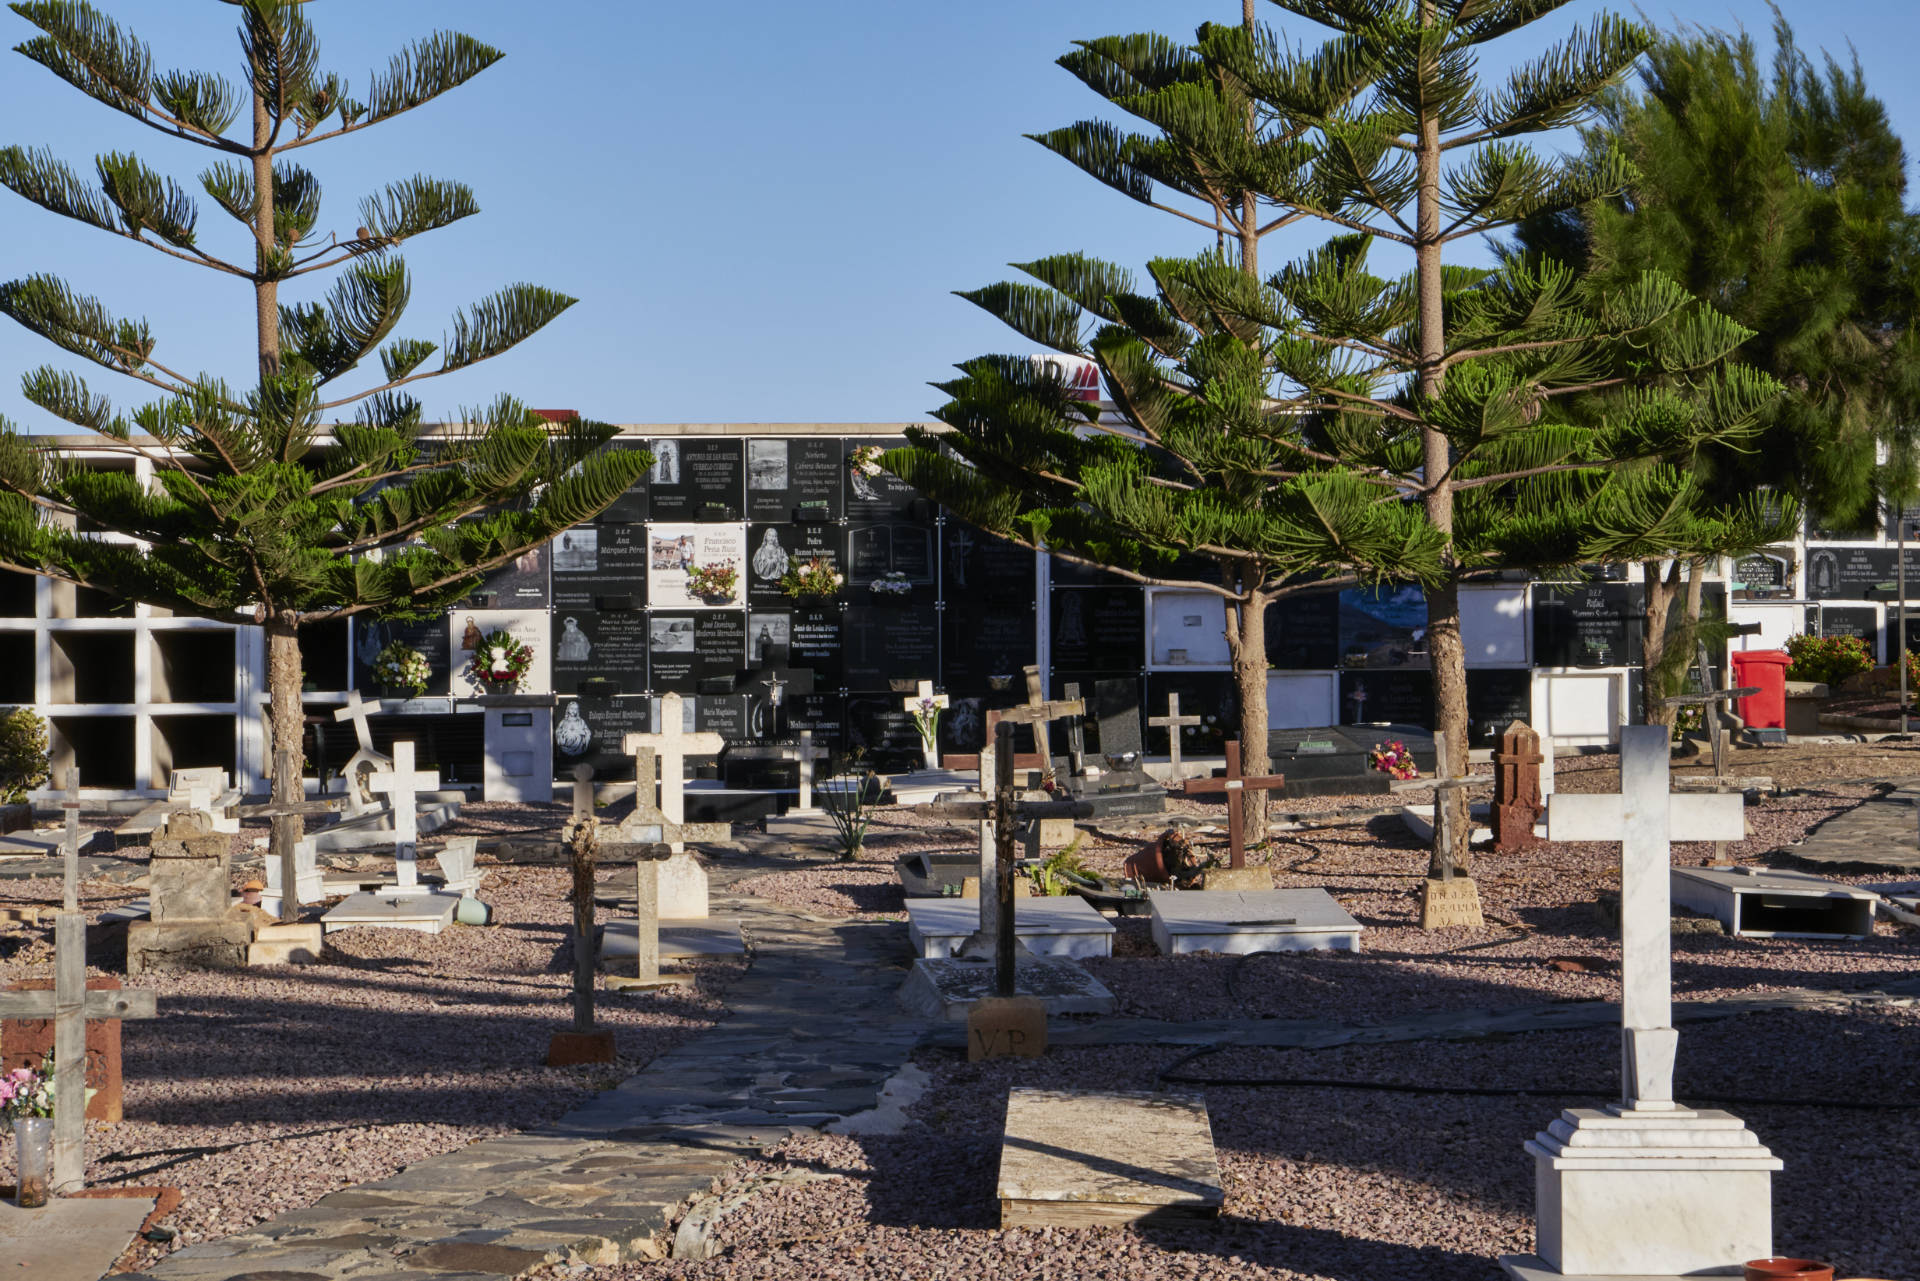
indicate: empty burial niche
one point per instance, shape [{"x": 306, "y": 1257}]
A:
[
  {"x": 17, "y": 594},
  {"x": 324, "y": 651},
  {"x": 193, "y": 667},
  {"x": 16, "y": 668},
  {"x": 189, "y": 742},
  {"x": 101, "y": 746},
  {"x": 91, "y": 667}
]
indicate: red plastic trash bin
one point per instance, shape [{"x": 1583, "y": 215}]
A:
[{"x": 1767, "y": 669}]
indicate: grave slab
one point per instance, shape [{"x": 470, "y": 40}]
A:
[
  {"x": 1331, "y": 760},
  {"x": 1064, "y": 925},
  {"x": 374, "y": 831},
  {"x": 678, "y": 939},
  {"x": 1756, "y": 903},
  {"x": 1087, "y": 1159},
  {"x": 1531, "y": 1267},
  {"x": 69, "y": 1238},
  {"x": 1419, "y": 821},
  {"x": 944, "y": 989},
  {"x": 429, "y": 913},
  {"x": 924, "y": 786},
  {"x": 1240, "y": 921}
]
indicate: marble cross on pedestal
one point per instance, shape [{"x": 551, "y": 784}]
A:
[
  {"x": 672, "y": 744},
  {"x": 1173, "y": 722},
  {"x": 403, "y": 783},
  {"x": 1646, "y": 819}
]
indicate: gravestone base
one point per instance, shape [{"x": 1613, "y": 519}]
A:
[
  {"x": 218, "y": 944},
  {"x": 298, "y": 944},
  {"x": 1084, "y": 1159},
  {"x": 1003, "y": 1027},
  {"x": 796, "y": 825},
  {"x": 1062, "y": 925},
  {"x": 945, "y": 989},
  {"x": 1118, "y": 799},
  {"x": 683, "y": 888},
  {"x": 423, "y": 911},
  {"x": 1450, "y": 905},
  {"x": 1236, "y": 922},
  {"x": 619, "y": 940},
  {"x": 1650, "y": 1193},
  {"x": 71, "y": 1238}
]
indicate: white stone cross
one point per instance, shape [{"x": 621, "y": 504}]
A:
[
  {"x": 356, "y": 711},
  {"x": 672, "y": 745},
  {"x": 402, "y": 784},
  {"x": 922, "y": 699},
  {"x": 1646, "y": 819},
  {"x": 808, "y": 755},
  {"x": 1173, "y": 722}
]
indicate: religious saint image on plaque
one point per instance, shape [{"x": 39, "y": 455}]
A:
[
  {"x": 592, "y": 731},
  {"x": 774, "y": 548},
  {"x": 666, "y": 463},
  {"x": 611, "y": 645},
  {"x": 963, "y": 726},
  {"x": 683, "y": 560},
  {"x": 577, "y": 550},
  {"x": 1383, "y": 627},
  {"x": 467, "y": 630},
  {"x": 872, "y": 491},
  {"x": 571, "y": 737},
  {"x": 696, "y": 479},
  {"x": 769, "y": 639}
]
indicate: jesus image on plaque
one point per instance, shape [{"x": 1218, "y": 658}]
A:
[
  {"x": 770, "y": 558},
  {"x": 573, "y": 646},
  {"x": 572, "y": 735}
]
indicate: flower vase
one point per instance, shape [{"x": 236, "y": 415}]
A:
[
  {"x": 33, "y": 1154},
  {"x": 929, "y": 755}
]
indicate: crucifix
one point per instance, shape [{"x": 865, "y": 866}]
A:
[
  {"x": 1173, "y": 722},
  {"x": 402, "y": 784},
  {"x": 925, "y": 706},
  {"x": 1234, "y": 784},
  {"x": 672, "y": 744},
  {"x": 1038, "y": 712},
  {"x": 71, "y": 1007}
]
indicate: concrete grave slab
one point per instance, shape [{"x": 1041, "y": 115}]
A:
[
  {"x": 69, "y": 1238},
  {"x": 429, "y": 913},
  {"x": 944, "y": 988},
  {"x": 1419, "y": 821},
  {"x": 1241, "y": 921},
  {"x": 678, "y": 940},
  {"x": 1756, "y": 903},
  {"x": 374, "y": 830},
  {"x": 1064, "y": 925},
  {"x": 1101, "y": 1159},
  {"x": 26, "y": 845}
]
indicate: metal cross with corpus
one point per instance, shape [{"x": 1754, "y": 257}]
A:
[
  {"x": 71, "y": 1007},
  {"x": 1233, "y": 785},
  {"x": 1173, "y": 722},
  {"x": 1003, "y": 810},
  {"x": 1038, "y": 712}
]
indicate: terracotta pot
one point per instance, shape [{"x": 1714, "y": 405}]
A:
[
  {"x": 1146, "y": 865},
  {"x": 1798, "y": 1269}
]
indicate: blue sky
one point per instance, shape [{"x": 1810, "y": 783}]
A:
[{"x": 763, "y": 207}]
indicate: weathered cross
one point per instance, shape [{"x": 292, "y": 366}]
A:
[
  {"x": 1173, "y": 722},
  {"x": 920, "y": 703},
  {"x": 1076, "y": 735},
  {"x": 672, "y": 744},
  {"x": 586, "y": 849},
  {"x": 1038, "y": 712},
  {"x": 402, "y": 784},
  {"x": 1516, "y": 787},
  {"x": 71, "y": 1007},
  {"x": 1234, "y": 784},
  {"x": 356, "y": 711},
  {"x": 648, "y": 823},
  {"x": 1646, "y": 819}
]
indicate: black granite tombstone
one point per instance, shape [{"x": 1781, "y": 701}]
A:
[
  {"x": 770, "y": 552},
  {"x": 902, "y": 552},
  {"x": 429, "y": 636},
  {"x": 685, "y": 649},
  {"x": 1857, "y": 573},
  {"x": 884, "y": 732},
  {"x": 1098, "y": 629},
  {"x": 600, "y": 567},
  {"x": 592, "y": 643},
  {"x": 886, "y": 644},
  {"x": 795, "y": 480},
  {"x": 1209, "y": 695},
  {"x": 1496, "y": 697},
  {"x": 817, "y": 645},
  {"x": 1587, "y": 624},
  {"x": 1303, "y": 631},
  {"x": 872, "y": 494},
  {"x": 1402, "y": 696},
  {"x": 983, "y": 641},
  {"x": 697, "y": 478},
  {"x": 1116, "y": 710},
  {"x": 1332, "y": 760},
  {"x": 1862, "y": 623},
  {"x": 592, "y": 731}
]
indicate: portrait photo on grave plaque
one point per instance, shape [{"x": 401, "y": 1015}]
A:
[
  {"x": 676, "y": 551},
  {"x": 800, "y": 480},
  {"x": 769, "y": 638},
  {"x": 771, "y": 549},
  {"x": 685, "y": 649},
  {"x": 697, "y": 478},
  {"x": 591, "y": 731},
  {"x": 1099, "y": 629},
  {"x": 521, "y": 583},
  {"x": 592, "y": 643},
  {"x": 467, "y": 629}
]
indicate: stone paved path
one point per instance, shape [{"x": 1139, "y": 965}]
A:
[{"x": 1884, "y": 832}]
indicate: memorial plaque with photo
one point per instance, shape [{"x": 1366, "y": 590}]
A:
[
  {"x": 1099, "y": 629},
  {"x": 595, "y": 565},
  {"x": 1383, "y": 627},
  {"x": 1496, "y": 698},
  {"x": 963, "y": 726},
  {"x": 685, "y": 649},
  {"x": 1862, "y": 623},
  {"x": 1587, "y": 624},
  {"x": 1857, "y": 573},
  {"x": 772, "y": 549},
  {"x": 884, "y": 645},
  {"x": 977, "y": 566},
  {"x": 696, "y": 476},
  {"x": 1303, "y": 632},
  {"x": 980, "y": 642},
  {"x": 589, "y": 644},
  {"x": 873, "y": 493},
  {"x": 1765, "y": 573},
  {"x": 467, "y": 629},
  {"x": 592, "y": 731},
  {"x": 1211, "y": 695},
  {"x": 429, "y": 636},
  {"x": 817, "y": 645},
  {"x": 631, "y": 507},
  {"x": 1402, "y": 696},
  {"x": 784, "y": 476},
  {"x": 521, "y": 583},
  {"x": 875, "y": 551},
  {"x": 674, "y": 550},
  {"x": 770, "y": 638}
]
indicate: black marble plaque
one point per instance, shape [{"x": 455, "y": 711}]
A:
[
  {"x": 884, "y": 645},
  {"x": 684, "y": 649},
  {"x": 599, "y": 566},
  {"x": 521, "y": 583},
  {"x": 817, "y": 644},
  {"x": 429, "y": 636},
  {"x": 769, "y": 637},
  {"x": 1858, "y": 573},
  {"x": 785, "y": 477},
  {"x": 1099, "y": 629},
  {"x": 1303, "y": 631},
  {"x": 963, "y": 726},
  {"x": 879, "y": 494},
  {"x": 1587, "y": 625},
  {"x": 1864, "y": 623},
  {"x": 826, "y": 715},
  {"x": 875, "y": 551},
  {"x": 1115, "y": 710},
  {"x": 593, "y": 731},
  {"x": 1766, "y": 573},
  {"x": 980, "y": 642},
  {"x": 880, "y": 727},
  {"x": 1496, "y": 697},
  {"x": 588, "y": 643},
  {"x": 1400, "y": 696},
  {"x": 631, "y": 507},
  {"x": 976, "y": 566},
  {"x": 1211, "y": 695},
  {"x": 722, "y": 714},
  {"x": 770, "y": 550},
  {"x": 696, "y": 478}
]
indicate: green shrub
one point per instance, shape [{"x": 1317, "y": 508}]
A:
[
  {"x": 1827, "y": 659},
  {"x": 23, "y": 754}
]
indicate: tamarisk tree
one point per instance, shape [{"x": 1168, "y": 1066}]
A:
[{"x": 295, "y": 500}]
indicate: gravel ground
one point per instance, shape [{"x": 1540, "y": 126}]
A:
[
  {"x": 1327, "y": 1183},
  {"x": 260, "y": 1091}
]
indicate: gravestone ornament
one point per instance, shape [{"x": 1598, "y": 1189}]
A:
[
  {"x": 1646, "y": 1187},
  {"x": 1173, "y": 722},
  {"x": 1516, "y": 788}
]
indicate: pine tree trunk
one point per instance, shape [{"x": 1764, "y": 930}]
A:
[
  {"x": 1446, "y": 654},
  {"x": 283, "y": 685},
  {"x": 1653, "y": 643},
  {"x": 1250, "y": 684}
]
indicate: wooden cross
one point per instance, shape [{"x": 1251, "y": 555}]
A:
[
  {"x": 71, "y": 1007},
  {"x": 1233, "y": 785},
  {"x": 585, "y": 848},
  {"x": 1173, "y": 722},
  {"x": 402, "y": 784},
  {"x": 922, "y": 699},
  {"x": 672, "y": 744},
  {"x": 356, "y": 711},
  {"x": 1646, "y": 819},
  {"x": 1038, "y": 712}
]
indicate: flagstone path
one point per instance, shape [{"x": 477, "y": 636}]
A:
[{"x": 1879, "y": 833}]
